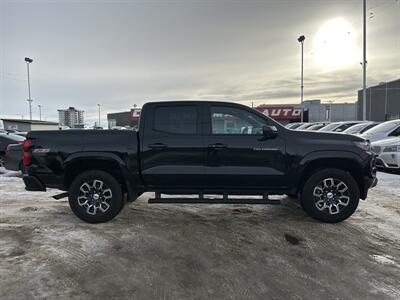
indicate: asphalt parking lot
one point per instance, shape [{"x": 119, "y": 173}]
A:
[{"x": 158, "y": 251}]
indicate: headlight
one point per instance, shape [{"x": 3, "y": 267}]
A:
[
  {"x": 395, "y": 148},
  {"x": 365, "y": 145}
]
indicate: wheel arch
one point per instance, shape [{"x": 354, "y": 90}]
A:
[
  {"x": 107, "y": 162},
  {"x": 346, "y": 163}
]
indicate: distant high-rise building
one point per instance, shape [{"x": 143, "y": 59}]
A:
[{"x": 70, "y": 117}]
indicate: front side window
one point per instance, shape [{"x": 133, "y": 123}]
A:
[
  {"x": 176, "y": 119},
  {"x": 229, "y": 120}
]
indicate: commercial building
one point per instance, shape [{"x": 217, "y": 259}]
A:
[
  {"x": 28, "y": 125},
  {"x": 312, "y": 110},
  {"x": 383, "y": 102},
  {"x": 70, "y": 117},
  {"x": 124, "y": 119},
  {"x": 329, "y": 112}
]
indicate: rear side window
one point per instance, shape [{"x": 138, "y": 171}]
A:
[{"x": 176, "y": 119}]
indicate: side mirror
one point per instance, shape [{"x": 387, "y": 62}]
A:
[{"x": 270, "y": 132}]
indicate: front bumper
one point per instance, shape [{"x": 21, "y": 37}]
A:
[
  {"x": 369, "y": 179},
  {"x": 389, "y": 160},
  {"x": 33, "y": 184}
]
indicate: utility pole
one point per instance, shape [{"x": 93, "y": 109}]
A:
[
  {"x": 28, "y": 62},
  {"x": 364, "y": 60},
  {"x": 301, "y": 41},
  {"x": 99, "y": 114},
  {"x": 40, "y": 112}
]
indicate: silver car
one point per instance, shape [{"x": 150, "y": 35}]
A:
[
  {"x": 383, "y": 130},
  {"x": 388, "y": 151},
  {"x": 339, "y": 126}
]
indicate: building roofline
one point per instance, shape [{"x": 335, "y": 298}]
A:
[{"x": 30, "y": 121}]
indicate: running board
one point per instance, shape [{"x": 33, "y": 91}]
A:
[
  {"x": 201, "y": 200},
  {"x": 60, "y": 196}
]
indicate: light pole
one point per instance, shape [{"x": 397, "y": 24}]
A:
[
  {"x": 99, "y": 114},
  {"x": 40, "y": 112},
  {"x": 301, "y": 39},
  {"x": 364, "y": 63},
  {"x": 29, "y": 61}
]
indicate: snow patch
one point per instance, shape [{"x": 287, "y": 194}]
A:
[
  {"x": 384, "y": 259},
  {"x": 6, "y": 173},
  {"x": 388, "y": 183}
]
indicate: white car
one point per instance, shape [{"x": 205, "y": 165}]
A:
[
  {"x": 382, "y": 131},
  {"x": 388, "y": 151},
  {"x": 339, "y": 126}
]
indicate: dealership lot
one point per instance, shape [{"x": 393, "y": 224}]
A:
[{"x": 198, "y": 251}]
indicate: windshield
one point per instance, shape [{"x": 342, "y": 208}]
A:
[
  {"x": 356, "y": 128},
  {"x": 384, "y": 127},
  {"x": 330, "y": 127}
]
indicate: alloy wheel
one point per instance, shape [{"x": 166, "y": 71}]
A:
[
  {"x": 332, "y": 195},
  {"x": 94, "y": 196}
]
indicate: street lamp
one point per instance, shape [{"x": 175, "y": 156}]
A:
[
  {"x": 301, "y": 39},
  {"x": 40, "y": 112},
  {"x": 28, "y": 62},
  {"x": 99, "y": 114}
]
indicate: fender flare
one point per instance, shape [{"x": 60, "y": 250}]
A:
[
  {"x": 105, "y": 156},
  {"x": 329, "y": 154}
]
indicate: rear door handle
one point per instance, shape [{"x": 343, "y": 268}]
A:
[
  {"x": 217, "y": 146},
  {"x": 157, "y": 146}
]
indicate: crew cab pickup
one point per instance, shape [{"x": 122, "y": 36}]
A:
[{"x": 200, "y": 147}]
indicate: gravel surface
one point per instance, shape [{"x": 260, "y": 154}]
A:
[{"x": 158, "y": 251}]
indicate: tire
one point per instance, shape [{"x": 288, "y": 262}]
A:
[
  {"x": 95, "y": 196},
  {"x": 330, "y": 195}
]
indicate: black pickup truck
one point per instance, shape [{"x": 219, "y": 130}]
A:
[{"x": 201, "y": 147}]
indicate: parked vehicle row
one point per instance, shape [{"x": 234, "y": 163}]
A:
[{"x": 385, "y": 138}]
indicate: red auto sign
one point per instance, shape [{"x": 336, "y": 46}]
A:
[
  {"x": 135, "y": 114},
  {"x": 283, "y": 112}
]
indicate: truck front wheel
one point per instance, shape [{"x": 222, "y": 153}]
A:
[
  {"x": 330, "y": 195},
  {"x": 95, "y": 196}
]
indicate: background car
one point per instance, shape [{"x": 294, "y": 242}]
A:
[
  {"x": 294, "y": 125},
  {"x": 305, "y": 126},
  {"x": 316, "y": 127},
  {"x": 360, "y": 128},
  {"x": 339, "y": 126},
  {"x": 388, "y": 151},
  {"x": 8, "y": 139},
  {"x": 383, "y": 130},
  {"x": 13, "y": 158}
]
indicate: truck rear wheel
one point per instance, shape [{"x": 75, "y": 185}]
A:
[
  {"x": 330, "y": 195},
  {"x": 95, "y": 196}
]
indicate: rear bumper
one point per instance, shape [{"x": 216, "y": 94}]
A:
[{"x": 33, "y": 184}]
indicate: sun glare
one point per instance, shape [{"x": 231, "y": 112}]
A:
[{"x": 335, "y": 44}]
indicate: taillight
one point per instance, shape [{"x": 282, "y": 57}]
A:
[
  {"x": 27, "y": 157},
  {"x": 27, "y": 144}
]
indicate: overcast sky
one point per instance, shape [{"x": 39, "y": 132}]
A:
[{"x": 121, "y": 53}]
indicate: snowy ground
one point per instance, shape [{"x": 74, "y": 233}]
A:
[{"x": 198, "y": 252}]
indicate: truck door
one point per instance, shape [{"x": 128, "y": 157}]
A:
[
  {"x": 173, "y": 153},
  {"x": 238, "y": 156}
]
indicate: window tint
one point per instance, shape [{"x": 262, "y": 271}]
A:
[
  {"x": 176, "y": 119},
  {"x": 228, "y": 120},
  {"x": 343, "y": 127},
  {"x": 396, "y": 132}
]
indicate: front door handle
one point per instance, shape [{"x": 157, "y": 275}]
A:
[
  {"x": 157, "y": 146},
  {"x": 217, "y": 146}
]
